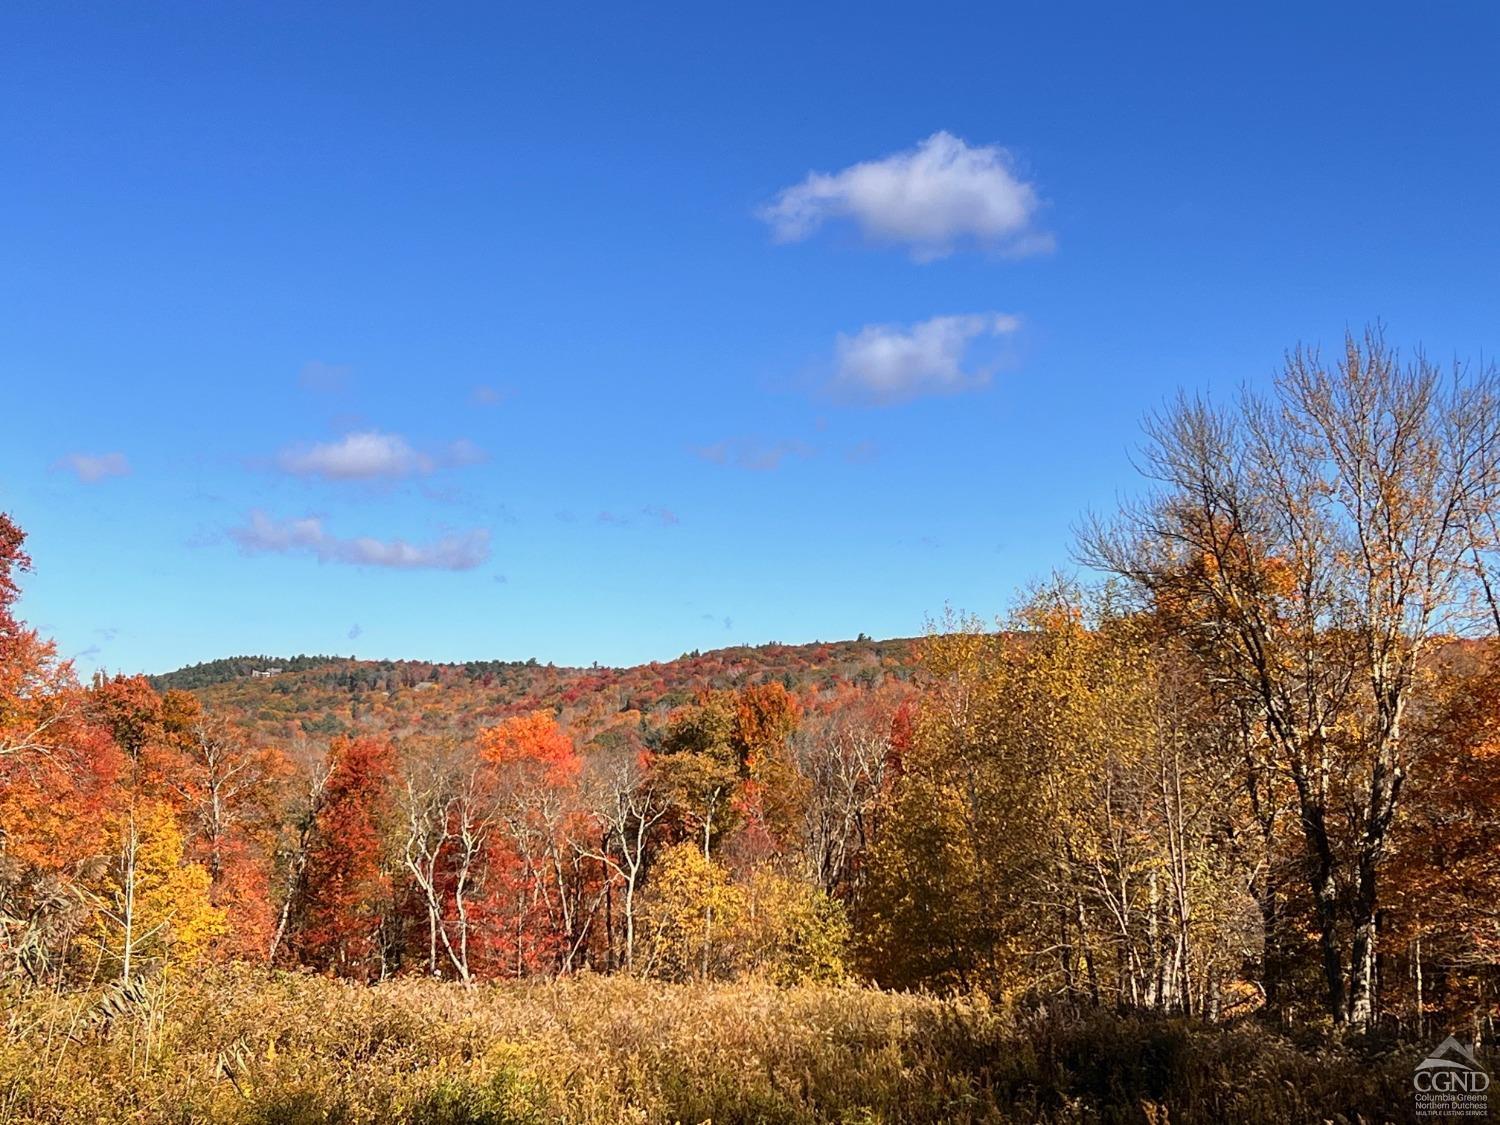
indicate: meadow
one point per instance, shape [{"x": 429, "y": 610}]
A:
[{"x": 242, "y": 1045}]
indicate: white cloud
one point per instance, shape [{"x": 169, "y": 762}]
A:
[
  {"x": 887, "y": 363},
  {"x": 93, "y": 467},
  {"x": 371, "y": 455},
  {"x": 262, "y": 534},
  {"x": 934, "y": 198},
  {"x": 362, "y": 456}
]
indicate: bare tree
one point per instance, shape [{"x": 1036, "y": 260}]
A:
[
  {"x": 450, "y": 815},
  {"x": 225, "y": 770},
  {"x": 627, "y": 805},
  {"x": 1310, "y": 544},
  {"x": 844, "y": 758},
  {"x": 541, "y": 816},
  {"x": 424, "y": 808},
  {"x": 294, "y": 856}
]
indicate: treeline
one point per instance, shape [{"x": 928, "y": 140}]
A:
[
  {"x": 234, "y": 668},
  {"x": 1255, "y": 768},
  {"x": 715, "y": 668}
]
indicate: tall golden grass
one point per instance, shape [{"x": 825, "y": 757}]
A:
[{"x": 240, "y": 1045}]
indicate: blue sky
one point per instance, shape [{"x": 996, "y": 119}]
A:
[{"x": 608, "y": 332}]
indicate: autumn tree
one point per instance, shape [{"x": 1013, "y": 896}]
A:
[
  {"x": 1441, "y": 936},
  {"x": 727, "y": 761},
  {"x": 232, "y": 798},
  {"x": 691, "y": 911},
  {"x": 700, "y": 765},
  {"x": 59, "y": 788},
  {"x": 34, "y": 685},
  {"x": 945, "y": 902},
  {"x": 1310, "y": 544},
  {"x": 346, "y": 885},
  {"x": 1058, "y": 824},
  {"x": 842, "y": 753},
  {"x": 533, "y": 772},
  {"x": 153, "y": 908},
  {"x": 790, "y": 931},
  {"x": 773, "y": 797}
]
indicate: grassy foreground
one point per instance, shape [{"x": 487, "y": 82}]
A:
[{"x": 243, "y": 1046}]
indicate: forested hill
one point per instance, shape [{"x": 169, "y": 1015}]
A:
[
  {"x": 210, "y": 672},
  {"x": 321, "y": 696}
]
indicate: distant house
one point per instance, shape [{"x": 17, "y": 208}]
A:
[{"x": 264, "y": 673}]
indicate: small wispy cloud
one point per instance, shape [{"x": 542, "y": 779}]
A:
[
  {"x": 485, "y": 395},
  {"x": 325, "y": 378},
  {"x": 656, "y": 514},
  {"x": 91, "y": 468},
  {"x": 262, "y": 534},
  {"x": 885, "y": 363},
  {"x": 463, "y": 452},
  {"x": 372, "y": 455},
  {"x": 942, "y": 195},
  {"x": 757, "y": 456}
]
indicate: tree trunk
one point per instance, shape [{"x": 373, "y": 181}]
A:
[
  {"x": 1325, "y": 895},
  {"x": 1362, "y": 962},
  {"x": 1417, "y": 974}
]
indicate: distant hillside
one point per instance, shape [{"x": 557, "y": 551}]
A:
[
  {"x": 312, "y": 698},
  {"x": 229, "y": 668}
]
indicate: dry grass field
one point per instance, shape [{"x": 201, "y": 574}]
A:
[{"x": 243, "y": 1046}]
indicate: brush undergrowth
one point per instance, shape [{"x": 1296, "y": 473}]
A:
[{"x": 247, "y": 1046}]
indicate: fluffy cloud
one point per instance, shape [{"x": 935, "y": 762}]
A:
[
  {"x": 887, "y": 363},
  {"x": 92, "y": 467},
  {"x": 372, "y": 455},
  {"x": 262, "y": 534},
  {"x": 363, "y": 456},
  {"x": 934, "y": 198}
]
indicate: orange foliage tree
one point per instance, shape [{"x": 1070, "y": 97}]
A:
[{"x": 346, "y": 892}]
